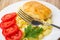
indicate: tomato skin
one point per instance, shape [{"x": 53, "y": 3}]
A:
[
  {"x": 9, "y": 31},
  {"x": 8, "y": 17},
  {"x": 7, "y": 24},
  {"x": 17, "y": 36},
  {"x": 10, "y": 28},
  {"x": 0, "y": 24}
]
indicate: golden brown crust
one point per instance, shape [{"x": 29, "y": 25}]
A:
[{"x": 37, "y": 10}]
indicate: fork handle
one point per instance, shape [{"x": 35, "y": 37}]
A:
[{"x": 55, "y": 26}]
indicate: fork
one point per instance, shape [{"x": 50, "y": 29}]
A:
[{"x": 32, "y": 21}]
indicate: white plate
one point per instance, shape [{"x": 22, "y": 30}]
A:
[{"x": 55, "y": 12}]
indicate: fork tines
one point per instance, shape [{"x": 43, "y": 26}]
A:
[{"x": 25, "y": 16}]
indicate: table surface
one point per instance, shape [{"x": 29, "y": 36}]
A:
[{"x": 4, "y": 3}]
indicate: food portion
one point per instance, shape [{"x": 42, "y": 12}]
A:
[
  {"x": 37, "y": 10},
  {"x": 8, "y": 17},
  {"x": 16, "y": 36},
  {"x": 31, "y": 32},
  {"x": 7, "y": 24},
  {"x": 12, "y": 29},
  {"x": 15, "y": 28},
  {"x": 9, "y": 27}
]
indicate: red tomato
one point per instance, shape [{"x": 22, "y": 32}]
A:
[
  {"x": 11, "y": 30},
  {"x": 9, "y": 16},
  {"x": 0, "y": 24},
  {"x": 7, "y": 24},
  {"x": 17, "y": 36}
]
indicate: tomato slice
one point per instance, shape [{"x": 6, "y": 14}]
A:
[
  {"x": 17, "y": 36},
  {"x": 8, "y": 17},
  {"x": 0, "y": 24},
  {"x": 7, "y": 24},
  {"x": 11, "y": 30}
]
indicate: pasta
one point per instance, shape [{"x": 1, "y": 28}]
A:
[
  {"x": 22, "y": 24},
  {"x": 46, "y": 32}
]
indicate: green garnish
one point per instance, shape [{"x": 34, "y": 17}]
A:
[{"x": 32, "y": 31}]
